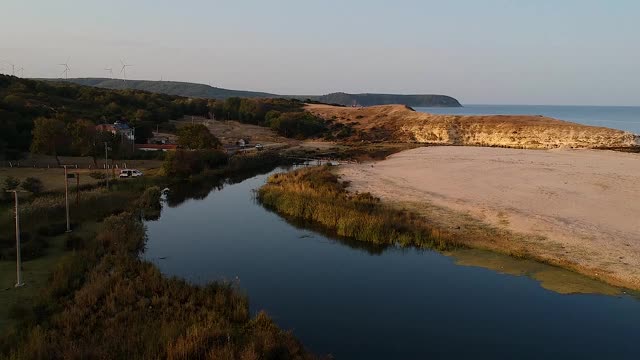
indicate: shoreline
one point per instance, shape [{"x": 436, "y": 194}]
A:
[{"x": 570, "y": 209}]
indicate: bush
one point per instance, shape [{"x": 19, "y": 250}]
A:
[
  {"x": 183, "y": 164},
  {"x": 73, "y": 242},
  {"x": 10, "y": 183},
  {"x": 54, "y": 229},
  {"x": 197, "y": 137},
  {"x": 33, "y": 185},
  {"x": 297, "y": 125},
  {"x": 99, "y": 175}
]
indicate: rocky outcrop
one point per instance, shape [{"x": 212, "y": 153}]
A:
[{"x": 401, "y": 124}]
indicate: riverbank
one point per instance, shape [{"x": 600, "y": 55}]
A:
[
  {"x": 94, "y": 297},
  {"x": 575, "y": 209}
]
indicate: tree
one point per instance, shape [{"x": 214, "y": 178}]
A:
[
  {"x": 144, "y": 131},
  {"x": 82, "y": 133},
  {"x": 197, "y": 136},
  {"x": 33, "y": 185},
  {"x": 48, "y": 137},
  {"x": 9, "y": 183},
  {"x": 142, "y": 115}
]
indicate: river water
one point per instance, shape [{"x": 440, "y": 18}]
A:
[
  {"x": 356, "y": 301},
  {"x": 616, "y": 117}
]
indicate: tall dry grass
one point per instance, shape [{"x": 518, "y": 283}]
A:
[{"x": 317, "y": 195}]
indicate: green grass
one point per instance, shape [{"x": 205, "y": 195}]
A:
[{"x": 35, "y": 274}]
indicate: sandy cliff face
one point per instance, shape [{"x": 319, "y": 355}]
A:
[{"x": 401, "y": 124}]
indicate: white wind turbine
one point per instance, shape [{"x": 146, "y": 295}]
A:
[
  {"x": 110, "y": 70},
  {"x": 13, "y": 67},
  {"x": 66, "y": 69},
  {"x": 123, "y": 70}
]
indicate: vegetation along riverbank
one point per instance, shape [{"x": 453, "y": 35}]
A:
[
  {"x": 90, "y": 295},
  {"x": 320, "y": 196}
]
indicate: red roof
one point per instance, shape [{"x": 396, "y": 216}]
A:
[{"x": 157, "y": 146}]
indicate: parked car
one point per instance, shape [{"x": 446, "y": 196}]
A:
[
  {"x": 129, "y": 173},
  {"x": 259, "y": 146}
]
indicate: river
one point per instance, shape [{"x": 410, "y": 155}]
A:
[{"x": 356, "y": 301}]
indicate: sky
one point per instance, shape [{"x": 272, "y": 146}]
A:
[{"x": 562, "y": 52}]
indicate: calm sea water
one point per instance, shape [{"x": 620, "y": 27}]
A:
[
  {"x": 617, "y": 117},
  {"x": 361, "y": 302}
]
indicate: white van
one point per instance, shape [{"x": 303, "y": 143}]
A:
[{"x": 130, "y": 173}]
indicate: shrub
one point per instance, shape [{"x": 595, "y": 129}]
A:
[
  {"x": 197, "y": 137},
  {"x": 33, "y": 185},
  {"x": 54, "y": 229},
  {"x": 183, "y": 163},
  {"x": 99, "y": 175},
  {"x": 10, "y": 183},
  {"x": 73, "y": 242}
]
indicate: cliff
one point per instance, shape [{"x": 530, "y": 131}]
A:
[{"x": 397, "y": 123}]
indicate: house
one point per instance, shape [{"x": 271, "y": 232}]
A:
[{"x": 118, "y": 128}]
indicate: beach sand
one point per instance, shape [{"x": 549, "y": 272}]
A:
[{"x": 575, "y": 208}]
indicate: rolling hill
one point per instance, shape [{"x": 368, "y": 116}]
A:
[
  {"x": 169, "y": 87},
  {"x": 209, "y": 92}
]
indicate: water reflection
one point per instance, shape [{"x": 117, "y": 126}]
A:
[{"x": 362, "y": 301}]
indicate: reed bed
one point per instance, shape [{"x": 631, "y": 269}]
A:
[{"x": 317, "y": 195}]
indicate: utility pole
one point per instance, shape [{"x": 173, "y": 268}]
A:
[
  {"x": 66, "y": 196},
  {"x": 106, "y": 162},
  {"x": 19, "y": 282},
  {"x": 77, "y": 189}
]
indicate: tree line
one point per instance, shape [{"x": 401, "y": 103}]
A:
[
  {"x": 70, "y": 110},
  {"x": 59, "y": 118}
]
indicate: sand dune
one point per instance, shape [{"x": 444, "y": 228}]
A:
[{"x": 576, "y": 208}]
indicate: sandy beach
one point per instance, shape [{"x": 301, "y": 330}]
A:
[{"x": 575, "y": 208}]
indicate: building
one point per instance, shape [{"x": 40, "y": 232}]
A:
[{"x": 118, "y": 128}]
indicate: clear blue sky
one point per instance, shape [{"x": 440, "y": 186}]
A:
[{"x": 490, "y": 51}]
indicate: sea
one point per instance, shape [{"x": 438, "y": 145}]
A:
[{"x": 625, "y": 118}]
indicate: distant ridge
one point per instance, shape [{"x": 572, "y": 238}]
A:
[
  {"x": 209, "y": 92},
  {"x": 168, "y": 87},
  {"x": 388, "y": 99}
]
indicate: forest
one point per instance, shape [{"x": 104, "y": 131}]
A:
[{"x": 58, "y": 118}]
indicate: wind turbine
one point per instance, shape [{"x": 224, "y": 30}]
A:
[
  {"x": 66, "y": 68},
  {"x": 13, "y": 68},
  {"x": 110, "y": 70},
  {"x": 123, "y": 70}
]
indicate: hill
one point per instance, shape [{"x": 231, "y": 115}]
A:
[
  {"x": 170, "y": 88},
  {"x": 397, "y": 123},
  {"x": 388, "y": 99},
  {"x": 195, "y": 90}
]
